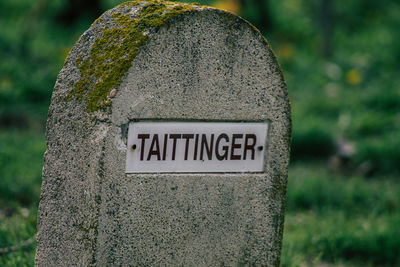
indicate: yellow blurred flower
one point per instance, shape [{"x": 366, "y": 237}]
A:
[
  {"x": 353, "y": 77},
  {"x": 5, "y": 84},
  {"x": 286, "y": 50},
  {"x": 228, "y": 5}
]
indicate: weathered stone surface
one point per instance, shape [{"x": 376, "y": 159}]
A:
[{"x": 146, "y": 60}]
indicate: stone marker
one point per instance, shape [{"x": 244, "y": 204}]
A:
[{"x": 167, "y": 143}]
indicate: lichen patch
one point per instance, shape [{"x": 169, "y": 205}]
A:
[{"x": 112, "y": 53}]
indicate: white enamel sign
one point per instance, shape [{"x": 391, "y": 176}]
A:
[{"x": 155, "y": 147}]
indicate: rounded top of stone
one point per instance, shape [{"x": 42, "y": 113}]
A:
[{"x": 105, "y": 52}]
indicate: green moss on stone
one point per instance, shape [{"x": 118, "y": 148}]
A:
[{"x": 111, "y": 55}]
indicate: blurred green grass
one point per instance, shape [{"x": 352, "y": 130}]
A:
[
  {"x": 21, "y": 161},
  {"x": 21, "y": 156},
  {"x": 343, "y": 191},
  {"x": 340, "y": 219}
]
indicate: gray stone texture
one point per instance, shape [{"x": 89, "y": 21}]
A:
[{"x": 205, "y": 64}]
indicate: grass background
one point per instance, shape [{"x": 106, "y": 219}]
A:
[{"x": 341, "y": 62}]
